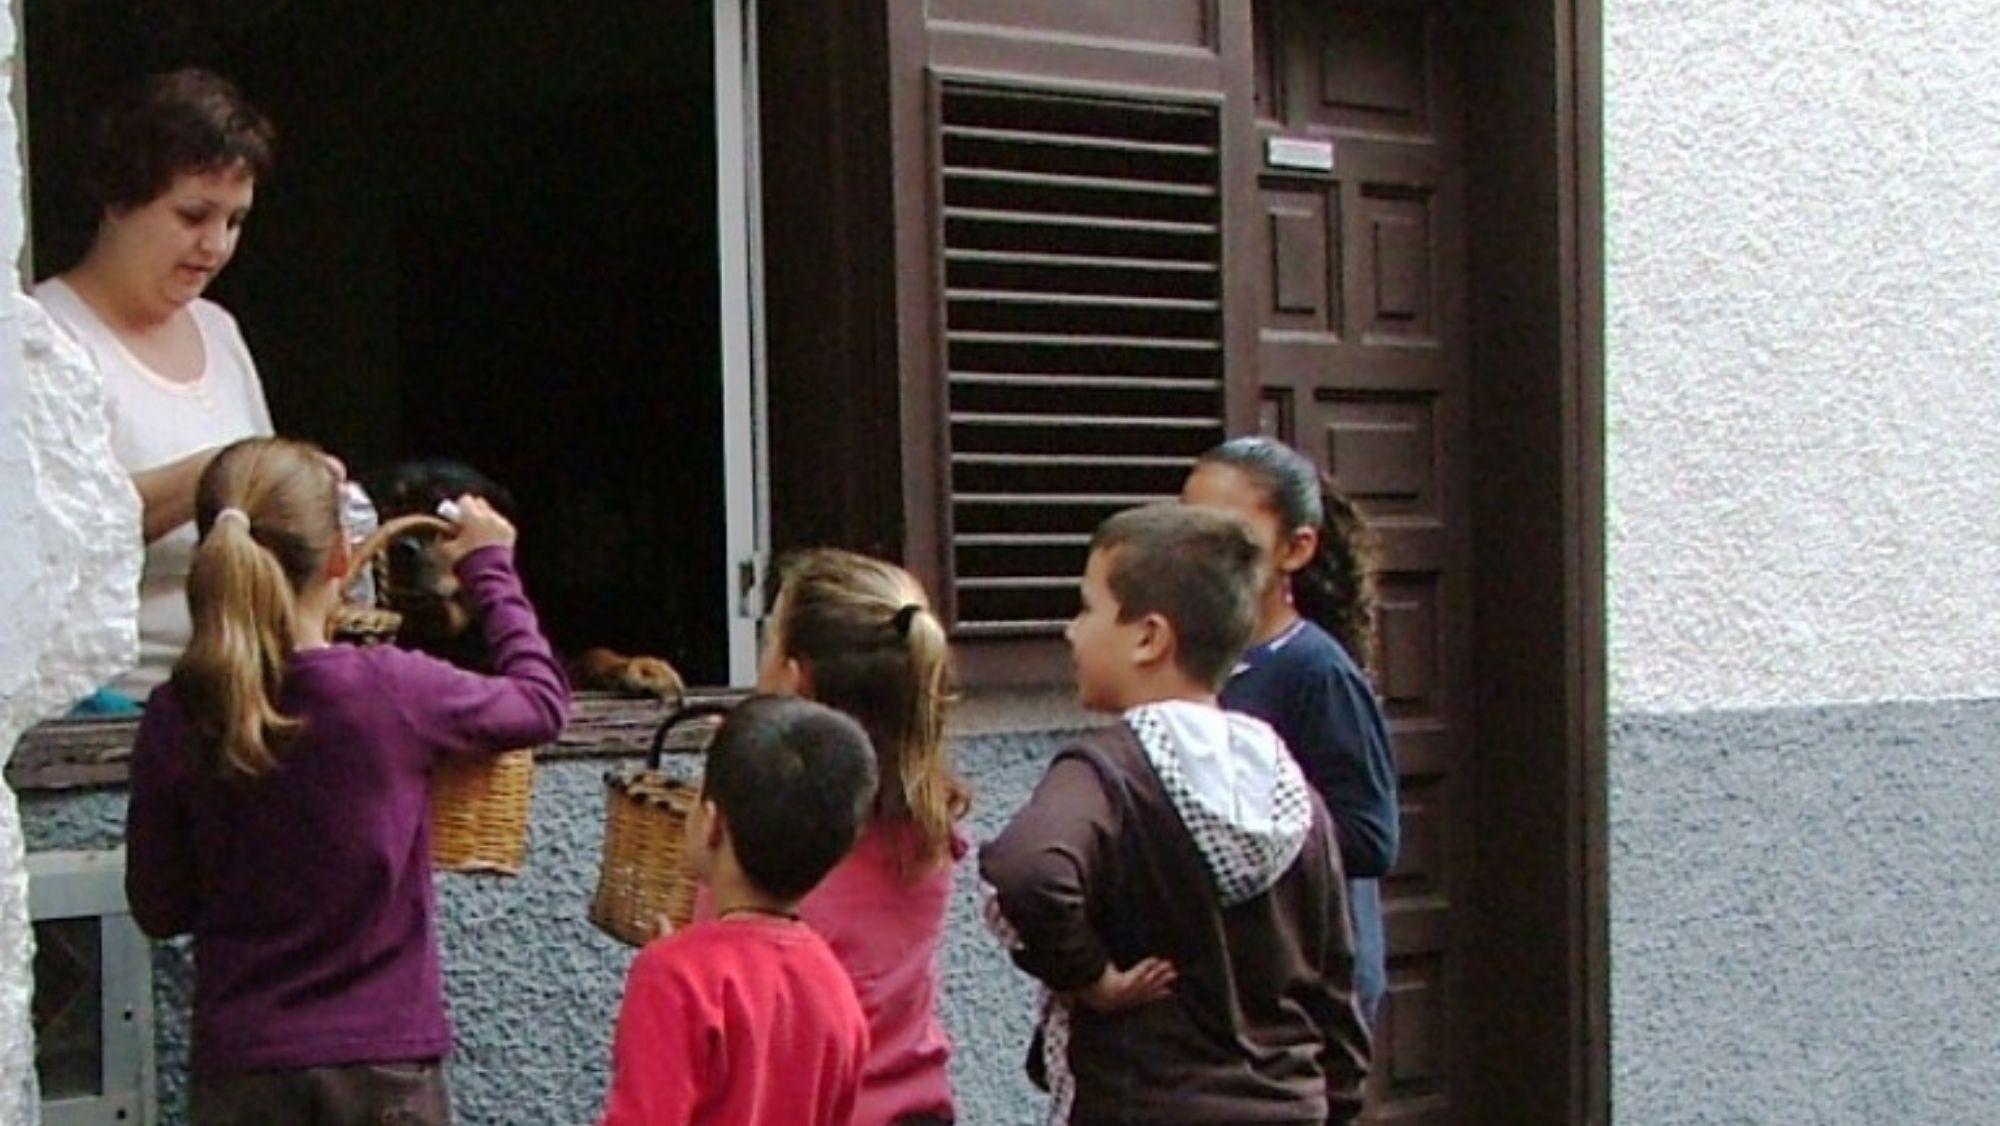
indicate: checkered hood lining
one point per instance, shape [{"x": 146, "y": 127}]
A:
[
  {"x": 1236, "y": 788},
  {"x": 1052, "y": 1015}
]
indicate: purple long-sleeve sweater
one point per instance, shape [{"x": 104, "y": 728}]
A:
[{"x": 308, "y": 890}]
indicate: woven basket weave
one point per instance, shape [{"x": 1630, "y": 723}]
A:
[
  {"x": 479, "y": 804},
  {"x": 479, "y": 812},
  {"x": 364, "y": 625},
  {"x": 644, "y": 876}
]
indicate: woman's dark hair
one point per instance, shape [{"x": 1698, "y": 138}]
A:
[
  {"x": 1336, "y": 587},
  {"x": 166, "y": 125}
]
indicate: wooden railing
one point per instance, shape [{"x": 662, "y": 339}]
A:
[{"x": 68, "y": 754}]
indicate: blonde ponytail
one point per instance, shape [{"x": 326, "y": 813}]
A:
[
  {"x": 933, "y": 797},
  {"x": 268, "y": 516},
  {"x": 228, "y": 678},
  {"x": 865, "y": 632}
]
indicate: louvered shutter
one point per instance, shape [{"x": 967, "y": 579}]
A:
[{"x": 1083, "y": 314}]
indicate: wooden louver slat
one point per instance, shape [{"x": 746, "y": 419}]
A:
[{"x": 1083, "y": 330}]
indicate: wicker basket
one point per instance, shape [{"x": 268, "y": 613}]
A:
[
  {"x": 479, "y": 812},
  {"x": 644, "y": 877},
  {"x": 364, "y": 625},
  {"x": 373, "y": 625},
  {"x": 480, "y": 804}
]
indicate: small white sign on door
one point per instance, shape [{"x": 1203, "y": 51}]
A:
[{"x": 1293, "y": 152}]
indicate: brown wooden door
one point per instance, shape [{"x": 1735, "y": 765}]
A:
[{"x": 1362, "y": 365}]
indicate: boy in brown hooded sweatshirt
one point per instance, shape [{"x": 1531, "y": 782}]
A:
[{"x": 1174, "y": 881}]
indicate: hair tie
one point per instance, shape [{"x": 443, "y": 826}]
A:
[
  {"x": 904, "y": 617},
  {"x": 231, "y": 513}
]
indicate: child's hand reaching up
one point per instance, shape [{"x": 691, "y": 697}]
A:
[
  {"x": 479, "y": 525},
  {"x": 1145, "y": 981}
]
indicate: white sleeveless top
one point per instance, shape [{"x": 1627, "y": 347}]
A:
[{"x": 156, "y": 421}]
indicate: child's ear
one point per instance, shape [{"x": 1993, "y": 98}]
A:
[
  {"x": 1155, "y": 641},
  {"x": 788, "y": 677},
  {"x": 338, "y": 560},
  {"x": 1297, "y": 549},
  {"x": 717, "y": 826}
]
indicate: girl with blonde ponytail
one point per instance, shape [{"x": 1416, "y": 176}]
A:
[
  {"x": 1305, "y": 673},
  {"x": 280, "y": 794},
  {"x": 858, "y": 634},
  {"x": 244, "y": 593}
]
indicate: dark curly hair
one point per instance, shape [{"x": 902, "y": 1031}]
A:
[
  {"x": 166, "y": 125},
  {"x": 1336, "y": 588}
]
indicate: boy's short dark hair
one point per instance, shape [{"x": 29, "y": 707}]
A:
[
  {"x": 796, "y": 780},
  {"x": 1195, "y": 567}
]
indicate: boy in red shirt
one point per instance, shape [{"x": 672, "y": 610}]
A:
[{"x": 748, "y": 1018}]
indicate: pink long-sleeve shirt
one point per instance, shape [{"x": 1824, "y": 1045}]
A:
[{"x": 885, "y": 930}]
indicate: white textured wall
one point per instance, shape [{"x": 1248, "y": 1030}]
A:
[
  {"x": 1803, "y": 216},
  {"x": 1803, "y": 226},
  {"x": 68, "y": 571}
]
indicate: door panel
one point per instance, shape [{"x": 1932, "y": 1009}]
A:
[{"x": 1362, "y": 365}]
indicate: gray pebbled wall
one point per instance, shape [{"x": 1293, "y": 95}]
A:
[
  {"x": 1806, "y": 915},
  {"x": 533, "y": 987},
  {"x": 1804, "y": 906}
]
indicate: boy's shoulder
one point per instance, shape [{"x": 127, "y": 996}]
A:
[
  {"x": 785, "y": 971},
  {"x": 687, "y": 965},
  {"x": 716, "y": 948},
  {"x": 1108, "y": 747},
  {"x": 1116, "y": 747},
  {"x": 1115, "y": 753},
  {"x": 689, "y": 945}
]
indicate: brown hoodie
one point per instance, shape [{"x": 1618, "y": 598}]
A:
[{"x": 1101, "y": 867}]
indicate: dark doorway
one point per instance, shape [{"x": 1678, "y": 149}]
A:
[{"x": 491, "y": 236}]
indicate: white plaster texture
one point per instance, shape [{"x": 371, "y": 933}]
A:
[
  {"x": 1803, "y": 344},
  {"x": 69, "y": 570}
]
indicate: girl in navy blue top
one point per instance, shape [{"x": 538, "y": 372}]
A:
[{"x": 1303, "y": 672}]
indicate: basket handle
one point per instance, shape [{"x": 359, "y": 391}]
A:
[
  {"x": 682, "y": 715},
  {"x": 378, "y": 540}
]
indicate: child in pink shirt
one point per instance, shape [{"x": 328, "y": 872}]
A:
[{"x": 857, "y": 634}]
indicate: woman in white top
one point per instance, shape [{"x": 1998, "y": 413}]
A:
[{"x": 173, "y": 165}]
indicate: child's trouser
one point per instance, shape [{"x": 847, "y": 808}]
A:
[{"x": 362, "y": 1094}]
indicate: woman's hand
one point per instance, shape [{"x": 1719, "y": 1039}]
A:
[
  {"x": 1115, "y": 990},
  {"x": 478, "y": 525},
  {"x": 166, "y": 493}
]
